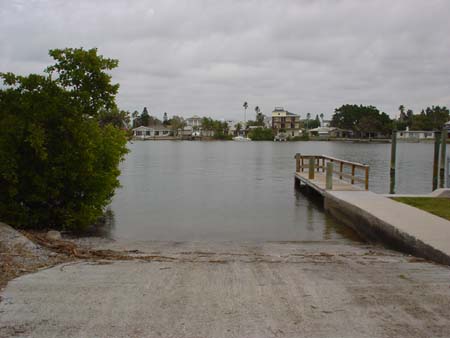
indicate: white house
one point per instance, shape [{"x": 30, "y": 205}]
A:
[
  {"x": 415, "y": 135},
  {"x": 194, "y": 122},
  {"x": 153, "y": 132},
  {"x": 330, "y": 132}
]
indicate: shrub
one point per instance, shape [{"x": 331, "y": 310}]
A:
[
  {"x": 261, "y": 134},
  {"x": 58, "y": 164}
]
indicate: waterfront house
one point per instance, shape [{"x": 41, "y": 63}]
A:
[
  {"x": 330, "y": 132},
  {"x": 286, "y": 122},
  {"x": 152, "y": 132},
  {"x": 194, "y": 122},
  {"x": 415, "y": 135}
]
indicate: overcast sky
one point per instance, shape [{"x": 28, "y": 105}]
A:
[{"x": 208, "y": 57}]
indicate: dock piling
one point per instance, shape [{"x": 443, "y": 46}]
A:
[
  {"x": 448, "y": 172},
  {"x": 443, "y": 156},
  {"x": 297, "y": 162},
  {"x": 437, "y": 141},
  {"x": 312, "y": 161},
  {"x": 329, "y": 178},
  {"x": 393, "y": 161}
]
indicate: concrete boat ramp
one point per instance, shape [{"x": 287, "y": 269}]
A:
[{"x": 228, "y": 289}]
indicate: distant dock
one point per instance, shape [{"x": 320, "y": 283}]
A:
[{"x": 344, "y": 186}]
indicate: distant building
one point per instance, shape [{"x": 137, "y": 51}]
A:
[
  {"x": 330, "y": 132},
  {"x": 153, "y": 132},
  {"x": 194, "y": 122},
  {"x": 286, "y": 122},
  {"x": 415, "y": 135}
]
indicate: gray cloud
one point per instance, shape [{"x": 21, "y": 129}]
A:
[{"x": 207, "y": 57}]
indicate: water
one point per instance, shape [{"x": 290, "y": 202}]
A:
[{"x": 243, "y": 190}]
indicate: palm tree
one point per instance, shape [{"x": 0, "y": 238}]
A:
[
  {"x": 238, "y": 128},
  {"x": 259, "y": 120},
  {"x": 321, "y": 117},
  {"x": 308, "y": 116},
  {"x": 245, "y": 105}
]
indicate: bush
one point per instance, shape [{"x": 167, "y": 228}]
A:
[
  {"x": 58, "y": 164},
  {"x": 304, "y": 137},
  {"x": 261, "y": 134}
]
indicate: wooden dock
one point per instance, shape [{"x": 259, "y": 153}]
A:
[{"x": 322, "y": 173}]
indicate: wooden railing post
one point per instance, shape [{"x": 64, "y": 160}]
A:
[
  {"x": 353, "y": 174},
  {"x": 297, "y": 162},
  {"x": 312, "y": 161},
  {"x": 341, "y": 169},
  {"x": 367, "y": 179},
  {"x": 329, "y": 176}
]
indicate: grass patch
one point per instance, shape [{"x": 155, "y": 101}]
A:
[{"x": 435, "y": 205}]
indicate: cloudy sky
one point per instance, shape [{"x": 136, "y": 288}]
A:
[{"x": 208, "y": 57}]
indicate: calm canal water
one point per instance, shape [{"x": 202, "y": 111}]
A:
[{"x": 243, "y": 190}]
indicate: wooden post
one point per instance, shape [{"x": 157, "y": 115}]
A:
[
  {"x": 312, "y": 161},
  {"x": 448, "y": 172},
  {"x": 329, "y": 181},
  {"x": 367, "y": 179},
  {"x": 297, "y": 162},
  {"x": 341, "y": 169},
  {"x": 353, "y": 174},
  {"x": 437, "y": 141},
  {"x": 393, "y": 160},
  {"x": 323, "y": 164},
  {"x": 443, "y": 155}
]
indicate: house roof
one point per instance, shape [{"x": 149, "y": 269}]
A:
[{"x": 142, "y": 128}]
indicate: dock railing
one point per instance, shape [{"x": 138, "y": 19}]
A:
[{"x": 351, "y": 172}]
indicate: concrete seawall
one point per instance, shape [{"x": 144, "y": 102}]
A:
[{"x": 380, "y": 219}]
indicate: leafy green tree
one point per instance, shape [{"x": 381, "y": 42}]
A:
[
  {"x": 261, "y": 134},
  {"x": 238, "y": 127},
  {"x": 84, "y": 74},
  {"x": 58, "y": 155},
  {"x": 145, "y": 118},
  {"x": 135, "y": 117},
  {"x": 430, "y": 119},
  {"x": 259, "y": 117},
  {"x": 165, "y": 119},
  {"x": 176, "y": 123},
  {"x": 118, "y": 118},
  {"x": 372, "y": 121},
  {"x": 219, "y": 129}
]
